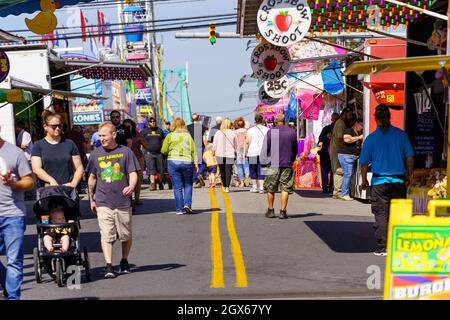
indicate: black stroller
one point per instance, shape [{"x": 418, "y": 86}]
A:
[{"x": 56, "y": 263}]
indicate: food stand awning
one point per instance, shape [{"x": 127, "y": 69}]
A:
[
  {"x": 395, "y": 65},
  {"x": 17, "y": 7},
  {"x": 15, "y": 96},
  {"x": 106, "y": 70},
  {"x": 338, "y": 15},
  {"x": 8, "y": 37},
  {"x": 59, "y": 94}
]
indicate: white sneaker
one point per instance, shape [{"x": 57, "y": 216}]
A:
[
  {"x": 180, "y": 212},
  {"x": 346, "y": 198},
  {"x": 261, "y": 191},
  {"x": 254, "y": 190}
]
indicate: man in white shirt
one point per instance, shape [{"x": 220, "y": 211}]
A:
[
  {"x": 256, "y": 136},
  {"x": 23, "y": 139}
]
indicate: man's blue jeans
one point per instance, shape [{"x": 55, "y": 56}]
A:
[
  {"x": 12, "y": 231},
  {"x": 348, "y": 164},
  {"x": 243, "y": 169},
  {"x": 182, "y": 176}
]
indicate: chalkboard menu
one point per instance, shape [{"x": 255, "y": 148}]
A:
[{"x": 425, "y": 140}]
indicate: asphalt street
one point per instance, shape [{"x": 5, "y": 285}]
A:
[{"x": 323, "y": 251}]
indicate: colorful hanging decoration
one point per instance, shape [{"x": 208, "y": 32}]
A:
[
  {"x": 83, "y": 26},
  {"x": 310, "y": 103},
  {"x": 110, "y": 73},
  {"x": 102, "y": 19},
  {"x": 45, "y": 21},
  {"x": 358, "y": 15}
]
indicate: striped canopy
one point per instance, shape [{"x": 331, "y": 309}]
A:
[{"x": 17, "y": 7}]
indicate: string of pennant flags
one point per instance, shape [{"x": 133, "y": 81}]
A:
[{"x": 100, "y": 36}]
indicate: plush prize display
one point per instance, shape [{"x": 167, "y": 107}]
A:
[
  {"x": 439, "y": 188},
  {"x": 435, "y": 180}
]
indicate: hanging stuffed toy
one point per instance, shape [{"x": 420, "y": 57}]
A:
[{"x": 45, "y": 21}]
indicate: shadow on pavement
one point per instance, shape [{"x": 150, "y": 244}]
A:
[
  {"x": 294, "y": 216},
  {"x": 312, "y": 194},
  {"x": 345, "y": 236},
  {"x": 98, "y": 273},
  {"x": 149, "y": 206}
]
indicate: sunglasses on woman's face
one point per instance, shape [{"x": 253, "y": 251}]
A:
[{"x": 55, "y": 126}]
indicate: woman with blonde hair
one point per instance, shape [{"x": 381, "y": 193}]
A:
[
  {"x": 242, "y": 165},
  {"x": 179, "y": 147},
  {"x": 54, "y": 159},
  {"x": 224, "y": 147}
]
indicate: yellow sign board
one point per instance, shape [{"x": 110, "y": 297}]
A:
[{"x": 418, "y": 259}]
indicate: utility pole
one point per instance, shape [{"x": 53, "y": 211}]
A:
[{"x": 151, "y": 43}]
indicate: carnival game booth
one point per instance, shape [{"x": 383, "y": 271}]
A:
[
  {"x": 427, "y": 183},
  {"x": 318, "y": 89}
]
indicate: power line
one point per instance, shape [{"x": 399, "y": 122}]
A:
[
  {"x": 109, "y": 31},
  {"x": 143, "y": 31},
  {"x": 116, "y": 2},
  {"x": 230, "y": 15},
  {"x": 140, "y": 22},
  {"x": 111, "y": 4}
]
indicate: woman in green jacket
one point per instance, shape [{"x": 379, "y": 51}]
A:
[{"x": 179, "y": 147}]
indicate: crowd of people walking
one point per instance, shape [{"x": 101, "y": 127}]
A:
[{"x": 231, "y": 153}]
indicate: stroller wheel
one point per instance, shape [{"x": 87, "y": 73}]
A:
[
  {"x": 59, "y": 273},
  {"x": 87, "y": 270},
  {"x": 37, "y": 266}
]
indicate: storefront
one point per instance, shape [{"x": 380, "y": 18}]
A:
[{"x": 428, "y": 182}]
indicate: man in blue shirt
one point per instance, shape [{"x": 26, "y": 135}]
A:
[{"x": 387, "y": 150}]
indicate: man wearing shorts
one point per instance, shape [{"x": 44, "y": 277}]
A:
[
  {"x": 113, "y": 175},
  {"x": 279, "y": 152}
]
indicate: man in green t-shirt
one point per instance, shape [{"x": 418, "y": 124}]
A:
[{"x": 337, "y": 141}]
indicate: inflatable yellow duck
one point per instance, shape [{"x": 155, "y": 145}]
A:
[{"x": 45, "y": 22}]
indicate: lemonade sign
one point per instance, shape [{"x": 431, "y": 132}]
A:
[
  {"x": 418, "y": 262},
  {"x": 421, "y": 250}
]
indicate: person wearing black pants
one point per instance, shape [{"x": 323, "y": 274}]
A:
[
  {"x": 226, "y": 170},
  {"x": 381, "y": 196},
  {"x": 391, "y": 157},
  {"x": 224, "y": 147},
  {"x": 324, "y": 153}
]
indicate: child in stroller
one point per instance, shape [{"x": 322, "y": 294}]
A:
[
  {"x": 58, "y": 240},
  {"x": 58, "y": 235}
]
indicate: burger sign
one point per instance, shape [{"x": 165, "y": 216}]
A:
[{"x": 284, "y": 22}]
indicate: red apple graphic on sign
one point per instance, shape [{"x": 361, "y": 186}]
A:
[
  {"x": 283, "y": 21},
  {"x": 270, "y": 63}
]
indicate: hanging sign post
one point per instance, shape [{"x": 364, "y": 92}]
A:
[
  {"x": 270, "y": 62},
  {"x": 284, "y": 23}
]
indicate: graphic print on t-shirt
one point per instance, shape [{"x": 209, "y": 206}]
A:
[{"x": 110, "y": 172}]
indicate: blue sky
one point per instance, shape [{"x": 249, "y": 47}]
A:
[{"x": 214, "y": 71}]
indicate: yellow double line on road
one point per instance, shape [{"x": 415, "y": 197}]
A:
[{"x": 217, "y": 280}]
